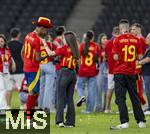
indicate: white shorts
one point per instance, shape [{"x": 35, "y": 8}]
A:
[
  {"x": 16, "y": 80},
  {"x": 5, "y": 82},
  {"x": 111, "y": 83}
]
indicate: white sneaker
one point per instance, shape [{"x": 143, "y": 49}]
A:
[
  {"x": 142, "y": 124},
  {"x": 121, "y": 126},
  {"x": 61, "y": 125},
  {"x": 147, "y": 113},
  {"x": 130, "y": 112},
  {"x": 108, "y": 112}
]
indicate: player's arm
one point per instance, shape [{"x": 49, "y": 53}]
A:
[
  {"x": 139, "y": 50},
  {"x": 39, "y": 58},
  {"x": 13, "y": 65},
  {"x": 115, "y": 50},
  {"x": 144, "y": 61},
  {"x": 140, "y": 56}
]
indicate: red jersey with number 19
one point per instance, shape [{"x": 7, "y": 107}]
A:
[
  {"x": 67, "y": 59},
  {"x": 88, "y": 66},
  {"x": 127, "y": 46},
  {"x": 32, "y": 45}
]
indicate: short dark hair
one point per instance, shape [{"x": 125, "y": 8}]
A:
[
  {"x": 116, "y": 30},
  {"x": 123, "y": 21},
  {"x": 14, "y": 32},
  {"x": 60, "y": 30}
]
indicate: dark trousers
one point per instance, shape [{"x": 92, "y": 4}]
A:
[
  {"x": 65, "y": 90},
  {"x": 124, "y": 83}
]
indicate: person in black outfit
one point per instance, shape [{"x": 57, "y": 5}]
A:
[
  {"x": 15, "y": 46},
  {"x": 127, "y": 49},
  {"x": 145, "y": 62}
]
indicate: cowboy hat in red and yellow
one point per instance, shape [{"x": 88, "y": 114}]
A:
[{"x": 43, "y": 21}]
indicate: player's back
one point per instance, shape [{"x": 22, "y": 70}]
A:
[
  {"x": 31, "y": 46},
  {"x": 127, "y": 46}
]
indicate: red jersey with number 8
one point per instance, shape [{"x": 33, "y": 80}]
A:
[
  {"x": 127, "y": 46},
  {"x": 67, "y": 59},
  {"x": 32, "y": 45},
  {"x": 88, "y": 65}
]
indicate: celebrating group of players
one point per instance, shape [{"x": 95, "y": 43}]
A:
[{"x": 51, "y": 67}]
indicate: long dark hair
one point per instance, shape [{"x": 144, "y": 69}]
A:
[
  {"x": 71, "y": 40},
  {"x": 4, "y": 38},
  {"x": 100, "y": 39},
  {"x": 89, "y": 36}
]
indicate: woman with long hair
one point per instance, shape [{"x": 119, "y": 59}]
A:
[
  {"x": 66, "y": 80},
  {"x": 102, "y": 76},
  {"x": 89, "y": 56},
  {"x": 7, "y": 64}
]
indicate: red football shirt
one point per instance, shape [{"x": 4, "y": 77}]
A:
[
  {"x": 67, "y": 59},
  {"x": 110, "y": 59},
  {"x": 144, "y": 46},
  {"x": 127, "y": 46},
  {"x": 32, "y": 45},
  {"x": 143, "y": 43},
  {"x": 44, "y": 53},
  {"x": 58, "y": 43},
  {"x": 88, "y": 66},
  {"x": 5, "y": 56}
]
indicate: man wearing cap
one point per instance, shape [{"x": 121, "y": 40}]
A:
[{"x": 31, "y": 57}]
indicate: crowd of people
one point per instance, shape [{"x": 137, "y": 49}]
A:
[{"x": 46, "y": 70}]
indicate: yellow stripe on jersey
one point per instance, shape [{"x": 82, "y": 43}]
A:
[{"x": 34, "y": 82}]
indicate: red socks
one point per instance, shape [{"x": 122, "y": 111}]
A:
[
  {"x": 31, "y": 101},
  {"x": 140, "y": 90}
]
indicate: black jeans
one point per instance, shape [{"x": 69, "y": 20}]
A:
[
  {"x": 124, "y": 83},
  {"x": 65, "y": 90}
]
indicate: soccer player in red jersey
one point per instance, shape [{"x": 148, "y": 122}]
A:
[
  {"x": 31, "y": 56},
  {"x": 90, "y": 55},
  {"x": 67, "y": 79},
  {"x": 126, "y": 50},
  {"x": 111, "y": 64},
  {"x": 136, "y": 29}
]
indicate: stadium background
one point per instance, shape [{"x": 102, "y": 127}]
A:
[{"x": 77, "y": 15}]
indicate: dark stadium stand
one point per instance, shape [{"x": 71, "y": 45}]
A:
[
  {"x": 22, "y": 12},
  {"x": 114, "y": 10}
]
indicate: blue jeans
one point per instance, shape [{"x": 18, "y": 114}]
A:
[
  {"x": 47, "y": 90},
  {"x": 147, "y": 88},
  {"x": 102, "y": 86},
  {"x": 91, "y": 82}
]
